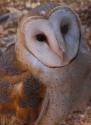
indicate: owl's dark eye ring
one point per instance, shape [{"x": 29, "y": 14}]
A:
[
  {"x": 41, "y": 37},
  {"x": 64, "y": 29}
]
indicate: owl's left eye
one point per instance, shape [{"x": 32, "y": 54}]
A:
[
  {"x": 41, "y": 37},
  {"x": 64, "y": 29}
]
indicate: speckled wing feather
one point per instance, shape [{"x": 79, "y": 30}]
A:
[
  {"x": 20, "y": 103},
  {"x": 20, "y": 92}
]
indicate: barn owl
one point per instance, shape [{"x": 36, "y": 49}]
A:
[{"x": 50, "y": 46}]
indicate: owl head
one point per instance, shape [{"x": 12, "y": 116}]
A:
[{"x": 49, "y": 36}]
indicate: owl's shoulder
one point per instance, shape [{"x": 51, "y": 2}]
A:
[{"x": 10, "y": 68}]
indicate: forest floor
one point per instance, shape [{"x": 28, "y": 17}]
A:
[{"x": 8, "y": 30}]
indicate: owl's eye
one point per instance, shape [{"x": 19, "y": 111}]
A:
[
  {"x": 64, "y": 29},
  {"x": 41, "y": 37}
]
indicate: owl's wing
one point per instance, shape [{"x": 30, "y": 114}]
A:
[
  {"x": 26, "y": 95},
  {"x": 10, "y": 68}
]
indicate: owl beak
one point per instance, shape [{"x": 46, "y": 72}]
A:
[
  {"x": 61, "y": 43},
  {"x": 60, "y": 50},
  {"x": 59, "y": 47}
]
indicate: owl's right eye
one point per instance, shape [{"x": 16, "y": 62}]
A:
[{"x": 41, "y": 37}]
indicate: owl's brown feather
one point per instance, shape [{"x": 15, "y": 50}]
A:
[{"x": 20, "y": 93}]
